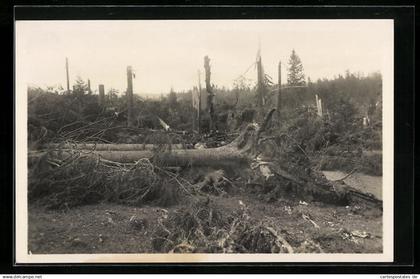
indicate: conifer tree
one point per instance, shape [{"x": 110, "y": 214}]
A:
[{"x": 295, "y": 76}]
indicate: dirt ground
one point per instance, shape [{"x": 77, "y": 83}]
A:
[{"x": 111, "y": 228}]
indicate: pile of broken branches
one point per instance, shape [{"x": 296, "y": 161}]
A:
[
  {"x": 79, "y": 179},
  {"x": 204, "y": 228}
]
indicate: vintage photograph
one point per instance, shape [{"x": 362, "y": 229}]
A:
[{"x": 218, "y": 138}]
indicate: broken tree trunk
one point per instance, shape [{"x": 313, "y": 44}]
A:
[
  {"x": 210, "y": 94},
  {"x": 279, "y": 97},
  {"x": 89, "y": 89},
  {"x": 101, "y": 97},
  {"x": 199, "y": 103}
]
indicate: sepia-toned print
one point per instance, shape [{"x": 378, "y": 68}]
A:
[{"x": 204, "y": 140}]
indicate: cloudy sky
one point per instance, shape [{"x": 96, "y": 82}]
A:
[{"x": 168, "y": 53}]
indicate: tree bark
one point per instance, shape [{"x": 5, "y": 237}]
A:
[
  {"x": 279, "y": 97},
  {"x": 220, "y": 156},
  {"x": 101, "y": 97},
  {"x": 260, "y": 89},
  {"x": 210, "y": 93}
]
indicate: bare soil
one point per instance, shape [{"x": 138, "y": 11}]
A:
[{"x": 112, "y": 228}]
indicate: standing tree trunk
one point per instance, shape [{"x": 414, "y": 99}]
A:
[
  {"x": 199, "y": 103},
  {"x": 260, "y": 89},
  {"x": 67, "y": 76},
  {"x": 101, "y": 94},
  {"x": 89, "y": 89},
  {"x": 129, "y": 96},
  {"x": 279, "y": 98},
  {"x": 194, "y": 94},
  {"x": 210, "y": 94}
]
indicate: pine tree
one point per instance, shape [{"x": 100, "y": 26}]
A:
[
  {"x": 80, "y": 88},
  {"x": 295, "y": 76},
  {"x": 172, "y": 99}
]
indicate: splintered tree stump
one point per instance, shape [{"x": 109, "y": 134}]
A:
[{"x": 113, "y": 147}]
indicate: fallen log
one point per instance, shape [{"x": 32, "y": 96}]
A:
[
  {"x": 238, "y": 151},
  {"x": 222, "y": 156},
  {"x": 243, "y": 152},
  {"x": 112, "y": 147}
]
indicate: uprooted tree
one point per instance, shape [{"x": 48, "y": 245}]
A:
[
  {"x": 255, "y": 154},
  {"x": 210, "y": 93}
]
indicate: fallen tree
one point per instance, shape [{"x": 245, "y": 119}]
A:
[
  {"x": 250, "y": 151},
  {"x": 238, "y": 151},
  {"x": 111, "y": 147}
]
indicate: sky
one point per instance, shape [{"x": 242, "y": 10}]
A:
[{"x": 169, "y": 53}]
